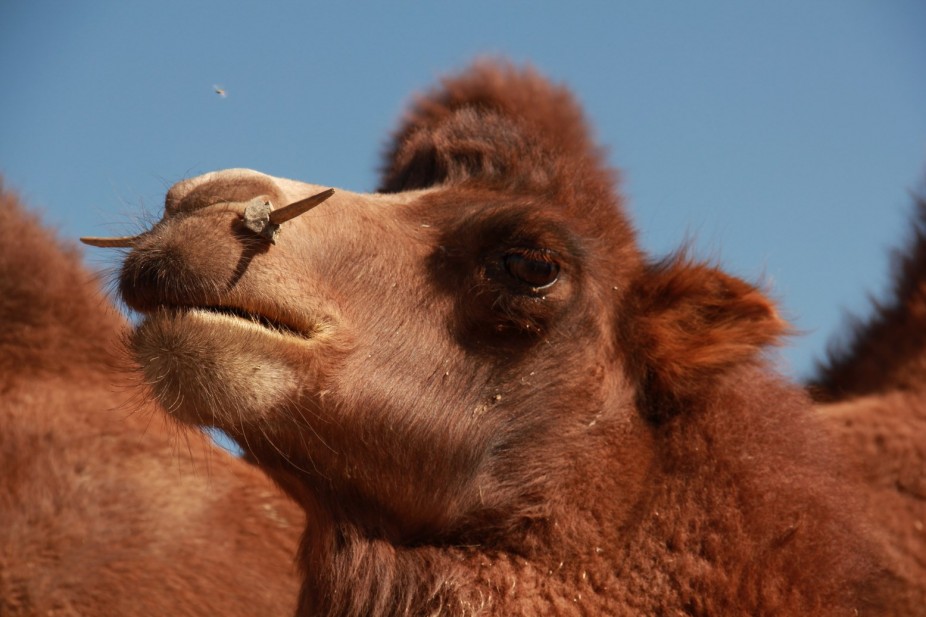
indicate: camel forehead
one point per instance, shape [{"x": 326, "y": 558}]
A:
[{"x": 240, "y": 184}]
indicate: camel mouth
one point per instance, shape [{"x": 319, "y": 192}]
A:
[
  {"x": 274, "y": 325},
  {"x": 238, "y": 317}
]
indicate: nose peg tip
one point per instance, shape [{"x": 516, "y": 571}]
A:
[
  {"x": 298, "y": 208},
  {"x": 110, "y": 242}
]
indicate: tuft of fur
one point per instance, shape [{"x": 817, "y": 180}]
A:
[
  {"x": 887, "y": 351},
  {"x": 495, "y": 124},
  {"x": 99, "y": 512}
]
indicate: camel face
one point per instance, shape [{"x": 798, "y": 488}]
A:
[{"x": 392, "y": 333}]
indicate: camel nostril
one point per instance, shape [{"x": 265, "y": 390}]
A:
[{"x": 229, "y": 186}]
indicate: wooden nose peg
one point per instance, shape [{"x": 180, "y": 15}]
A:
[
  {"x": 263, "y": 220},
  {"x": 123, "y": 242},
  {"x": 259, "y": 217}
]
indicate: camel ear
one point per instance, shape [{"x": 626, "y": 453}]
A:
[{"x": 694, "y": 322}]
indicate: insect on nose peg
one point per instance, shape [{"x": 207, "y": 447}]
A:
[{"x": 263, "y": 220}]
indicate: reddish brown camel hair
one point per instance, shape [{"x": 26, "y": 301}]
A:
[
  {"x": 104, "y": 511},
  {"x": 487, "y": 398},
  {"x": 873, "y": 389}
]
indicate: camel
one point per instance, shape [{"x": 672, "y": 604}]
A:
[
  {"x": 105, "y": 509},
  {"x": 486, "y": 397}
]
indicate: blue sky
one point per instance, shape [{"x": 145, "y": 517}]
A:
[{"x": 783, "y": 139}]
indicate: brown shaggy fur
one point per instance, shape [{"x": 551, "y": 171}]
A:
[
  {"x": 888, "y": 351},
  {"x": 874, "y": 392},
  {"x": 487, "y": 398},
  {"x": 99, "y": 512}
]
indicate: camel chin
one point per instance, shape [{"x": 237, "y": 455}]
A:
[{"x": 208, "y": 368}]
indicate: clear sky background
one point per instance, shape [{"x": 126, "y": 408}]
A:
[{"x": 783, "y": 138}]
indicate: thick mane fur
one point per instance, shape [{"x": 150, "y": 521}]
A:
[
  {"x": 495, "y": 123},
  {"x": 500, "y": 127}
]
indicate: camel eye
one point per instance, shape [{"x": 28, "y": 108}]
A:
[{"x": 534, "y": 267}]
